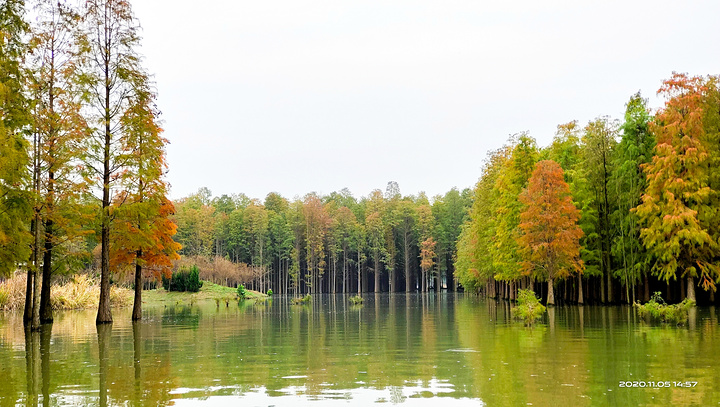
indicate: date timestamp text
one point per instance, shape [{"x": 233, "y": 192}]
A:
[{"x": 656, "y": 384}]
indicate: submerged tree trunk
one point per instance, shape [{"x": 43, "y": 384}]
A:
[
  {"x": 377, "y": 273},
  {"x": 551, "y": 293},
  {"x": 104, "y": 315},
  {"x": 46, "y": 314},
  {"x": 408, "y": 276},
  {"x": 137, "y": 304},
  {"x": 581, "y": 299},
  {"x": 690, "y": 288}
]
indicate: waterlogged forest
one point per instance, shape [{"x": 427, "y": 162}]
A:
[
  {"x": 385, "y": 297},
  {"x": 610, "y": 212}
]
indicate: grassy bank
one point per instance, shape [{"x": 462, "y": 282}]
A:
[
  {"x": 208, "y": 291},
  {"x": 83, "y": 292}
]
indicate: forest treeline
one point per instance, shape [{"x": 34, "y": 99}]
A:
[
  {"x": 647, "y": 190},
  {"x": 332, "y": 243},
  {"x": 82, "y": 158},
  {"x": 607, "y": 213}
]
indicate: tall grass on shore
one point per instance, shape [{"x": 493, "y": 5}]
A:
[{"x": 79, "y": 293}]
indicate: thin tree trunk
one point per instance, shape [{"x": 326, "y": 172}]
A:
[
  {"x": 551, "y": 292},
  {"x": 690, "y": 288},
  {"x": 104, "y": 314},
  {"x": 377, "y": 273},
  {"x": 408, "y": 276},
  {"x": 36, "y": 280},
  {"x": 581, "y": 300},
  {"x": 46, "y": 314},
  {"x": 137, "y": 304}
]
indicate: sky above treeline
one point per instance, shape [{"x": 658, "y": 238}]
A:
[{"x": 299, "y": 96}]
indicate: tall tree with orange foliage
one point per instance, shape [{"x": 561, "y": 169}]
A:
[
  {"x": 120, "y": 107},
  {"x": 144, "y": 242},
  {"x": 60, "y": 130},
  {"x": 550, "y": 242},
  {"x": 148, "y": 207},
  {"x": 676, "y": 209}
]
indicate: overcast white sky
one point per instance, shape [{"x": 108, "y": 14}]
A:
[{"x": 296, "y": 96}]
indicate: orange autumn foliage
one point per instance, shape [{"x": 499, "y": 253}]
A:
[
  {"x": 550, "y": 240},
  {"x": 156, "y": 242}
]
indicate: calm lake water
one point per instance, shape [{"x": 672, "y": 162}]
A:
[{"x": 412, "y": 350}]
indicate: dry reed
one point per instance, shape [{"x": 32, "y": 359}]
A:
[{"x": 79, "y": 293}]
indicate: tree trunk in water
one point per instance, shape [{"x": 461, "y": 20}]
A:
[
  {"x": 609, "y": 288},
  {"x": 551, "y": 293},
  {"x": 377, "y": 273},
  {"x": 408, "y": 276},
  {"x": 137, "y": 304},
  {"x": 646, "y": 290},
  {"x": 581, "y": 300},
  {"x": 104, "y": 314},
  {"x": 438, "y": 281},
  {"x": 29, "y": 295},
  {"x": 46, "y": 314},
  {"x": 690, "y": 288},
  {"x": 602, "y": 289}
]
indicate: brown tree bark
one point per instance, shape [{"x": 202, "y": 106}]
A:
[
  {"x": 137, "y": 303},
  {"x": 690, "y": 288},
  {"x": 551, "y": 293}
]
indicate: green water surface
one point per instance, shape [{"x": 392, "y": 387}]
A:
[{"x": 448, "y": 349}]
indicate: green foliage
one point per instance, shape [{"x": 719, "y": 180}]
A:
[
  {"x": 184, "y": 280},
  {"x": 269, "y": 292},
  {"x": 474, "y": 264},
  {"x": 677, "y": 211},
  {"x": 528, "y": 307},
  {"x": 301, "y": 300},
  {"x": 567, "y": 150},
  {"x": 14, "y": 120},
  {"x": 242, "y": 292},
  {"x": 356, "y": 300},
  {"x": 512, "y": 179},
  {"x": 657, "y": 309},
  {"x": 628, "y": 181}
]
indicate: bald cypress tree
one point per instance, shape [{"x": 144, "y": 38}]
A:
[
  {"x": 676, "y": 210},
  {"x": 117, "y": 87},
  {"x": 14, "y": 126}
]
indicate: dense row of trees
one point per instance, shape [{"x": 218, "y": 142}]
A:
[
  {"x": 646, "y": 192},
  {"x": 607, "y": 213},
  {"x": 81, "y": 152},
  {"x": 334, "y": 243}
]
